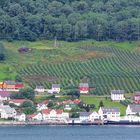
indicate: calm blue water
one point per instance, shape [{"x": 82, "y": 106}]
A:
[{"x": 69, "y": 133}]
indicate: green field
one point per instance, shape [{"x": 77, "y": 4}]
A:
[
  {"x": 107, "y": 103},
  {"x": 104, "y": 65}
]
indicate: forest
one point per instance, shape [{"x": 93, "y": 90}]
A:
[{"x": 70, "y": 20}]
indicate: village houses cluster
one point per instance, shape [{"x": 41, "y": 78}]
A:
[{"x": 44, "y": 113}]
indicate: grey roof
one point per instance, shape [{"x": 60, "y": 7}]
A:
[
  {"x": 84, "y": 85},
  {"x": 55, "y": 85},
  {"x": 137, "y": 93},
  {"x": 117, "y": 91},
  {"x": 39, "y": 87},
  {"x": 112, "y": 109},
  {"x": 85, "y": 113},
  {"x": 135, "y": 108},
  {"x": 10, "y": 82}
]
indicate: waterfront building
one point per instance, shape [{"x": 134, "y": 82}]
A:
[{"x": 109, "y": 113}]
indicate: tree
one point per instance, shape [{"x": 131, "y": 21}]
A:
[
  {"x": 29, "y": 110},
  {"x": 18, "y": 78},
  {"x": 2, "y": 52},
  {"x": 2, "y": 57},
  {"x": 26, "y": 104},
  {"x": 74, "y": 93},
  {"x": 101, "y": 104},
  {"x": 50, "y": 104},
  {"x": 27, "y": 93}
]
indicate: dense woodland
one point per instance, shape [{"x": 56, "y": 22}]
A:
[{"x": 70, "y": 20}]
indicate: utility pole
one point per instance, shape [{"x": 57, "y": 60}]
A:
[{"x": 55, "y": 42}]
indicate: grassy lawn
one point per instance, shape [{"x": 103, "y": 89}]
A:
[{"x": 106, "y": 102}]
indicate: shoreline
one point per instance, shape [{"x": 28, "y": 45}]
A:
[{"x": 68, "y": 124}]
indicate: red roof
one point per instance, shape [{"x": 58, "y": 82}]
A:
[
  {"x": 19, "y": 85},
  {"x": 32, "y": 115},
  {"x": 67, "y": 102},
  {"x": 58, "y": 111},
  {"x": 17, "y": 101},
  {"x": 77, "y": 101},
  {"x": 46, "y": 111},
  {"x": 44, "y": 102}
]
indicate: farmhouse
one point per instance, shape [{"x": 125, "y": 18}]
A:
[
  {"x": 137, "y": 97},
  {"x": 109, "y": 113},
  {"x": 89, "y": 116},
  {"x": 133, "y": 110},
  {"x": 55, "y": 88},
  {"x": 84, "y": 88},
  {"x": 4, "y": 95},
  {"x": 40, "y": 89},
  {"x": 117, "y": 95}
]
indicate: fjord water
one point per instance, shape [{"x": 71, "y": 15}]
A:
[{"x": 69, "y": 133}]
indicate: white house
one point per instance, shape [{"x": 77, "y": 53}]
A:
[
  {"x": 54, "y": 114},
  {"x": 117, "y": 95},
  {"x": 55, "y": 88},
  {"x": 89, "y": 116},
  {"x": 133, "y": 110},
  {"x": 7, "y": 112},
  {"x": 20, "y": 117},
  {"x": 109, "y": 113},
  {"x": 42, "y": 105},
  {"x": 39, "y": 89},
  {"x": 84, "y": 88}
]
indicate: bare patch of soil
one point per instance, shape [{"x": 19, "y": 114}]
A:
[{"x": 40, "y": 78}]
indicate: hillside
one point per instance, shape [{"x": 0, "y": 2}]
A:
[
  {"x": 105, "y": 65},
  {"x": 70, "y": 20}
]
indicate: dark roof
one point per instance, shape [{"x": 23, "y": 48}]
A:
[
  {"x": 112, "y": 109},
  {"x": 10, "y": 82},
  {"x": 5, "y": 94},
  {"x": 137, "y": 93},
  {"x": 55, "y": 85},
  {"x": 39, "y": 87},
  {"x": 84, "y": 85},
  {"x": 117, "y": 91},
  {"x": 135, "y": 108},
  {"x": 85, "y": 113}
]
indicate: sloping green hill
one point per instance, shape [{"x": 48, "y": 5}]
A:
[{"x": 105, "y": 65}]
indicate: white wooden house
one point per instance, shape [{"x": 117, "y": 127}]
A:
[
  {"x": 55, "y": 88},
  {"x": 109, "y": 113},
  {"x": 7, "y": 112},
  {"x": 89, "y": 116},
  {"x": 117, "y": 95},
  {"x": 40, "y": 89},
  {"x": 133, "y": 110}
]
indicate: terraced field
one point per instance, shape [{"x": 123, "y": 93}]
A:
[{"x": 113, "y": 68}]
